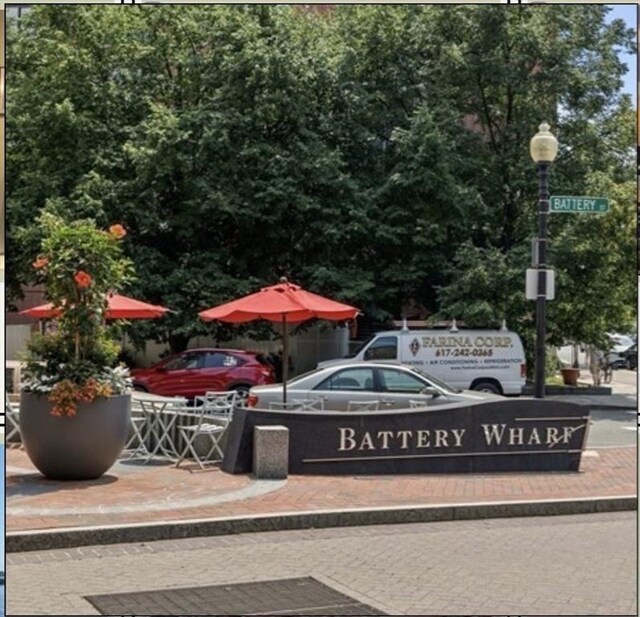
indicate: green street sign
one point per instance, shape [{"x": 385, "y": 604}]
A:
[{"x": 568, "y": 203}]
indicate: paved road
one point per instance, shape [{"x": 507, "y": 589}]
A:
[
  {"x": 577, "y": 565},
  {"x": 623, "y": 382},
  {"x": 613, "y": 428}
]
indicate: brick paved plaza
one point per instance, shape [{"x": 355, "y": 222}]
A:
[{"x": 134, "y": 493}]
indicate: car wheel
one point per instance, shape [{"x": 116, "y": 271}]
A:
[
  {"x": 486, "y": 386},
  {"x": 243, "y": 393}
]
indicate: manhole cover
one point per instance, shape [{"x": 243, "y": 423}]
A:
[{"x": 294, "y": 596}]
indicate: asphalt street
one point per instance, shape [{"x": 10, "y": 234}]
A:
[
  {"x": 558, "y": 565},
  {"x": 615, "y": 427}
]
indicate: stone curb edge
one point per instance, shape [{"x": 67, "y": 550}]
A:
[{"x": 22, "y": 541}]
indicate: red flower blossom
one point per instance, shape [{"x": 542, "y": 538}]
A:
[
  {"x": 118, "y": 231},
  {"x": 82, "y": 279}
]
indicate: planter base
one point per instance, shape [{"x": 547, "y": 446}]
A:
[{"x": 81, "y": 447}]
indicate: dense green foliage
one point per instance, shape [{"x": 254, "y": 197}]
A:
[{"x": 377, "y": 154}]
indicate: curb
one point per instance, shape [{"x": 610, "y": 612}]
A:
[
  {"x": 598, "y": 407},
  {"x": 22, "y": 541}
]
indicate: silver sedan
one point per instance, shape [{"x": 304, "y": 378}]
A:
[{"x": 350, "y": 386}]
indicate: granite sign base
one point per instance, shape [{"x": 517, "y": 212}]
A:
[{"x": 496, "y": 436}]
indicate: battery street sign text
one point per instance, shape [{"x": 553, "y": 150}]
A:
[{"x": 568, "y": 203}]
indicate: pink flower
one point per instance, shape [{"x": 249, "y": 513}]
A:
[
  {"x": 118, "y": 231},
  {"x": 82, "y": 279}
]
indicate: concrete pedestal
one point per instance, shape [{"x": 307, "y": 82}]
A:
[{"x": 271, "y": 452}]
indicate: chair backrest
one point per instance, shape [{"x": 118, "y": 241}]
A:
[
  {"x": 363, "y": 406},
  {"x": 292, "y": 406},
  {"x": 311, "y": 404},
  {"x": 218, "y": 404},
  {"x": 9, "y": 406},
  {"x": 219, "y": 398}
]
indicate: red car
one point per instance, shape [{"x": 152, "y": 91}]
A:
[{"x": 196, "y": 371}]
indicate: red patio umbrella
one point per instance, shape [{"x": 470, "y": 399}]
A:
[
  {"x": 283, "y": 303},
  {"x": 118, "y": 307}
]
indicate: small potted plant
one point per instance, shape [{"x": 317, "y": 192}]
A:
[
  {"x": 75, "y": 401},
  {"x": 570, "y": 375}
]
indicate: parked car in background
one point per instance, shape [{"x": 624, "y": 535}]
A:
[
  {"x": 196, "y": 371},
  {"x": 391, "y": 385},
  {"x": 631, "y": 357},
  {"x": 619, "y": 343}
]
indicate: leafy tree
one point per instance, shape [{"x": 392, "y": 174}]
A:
[{"x": 377, "y": 154}]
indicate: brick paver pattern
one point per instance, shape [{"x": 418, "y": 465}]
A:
[
  {"x": 561, "y": 565},
  {"x": 142, "y": 493}
]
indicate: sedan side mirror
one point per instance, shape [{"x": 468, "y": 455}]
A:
[{"x": 434, "y": 392}]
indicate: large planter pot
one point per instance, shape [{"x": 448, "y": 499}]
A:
[
  {"x": 570, "y": 376},
  {"x": 81, "y": 447}
]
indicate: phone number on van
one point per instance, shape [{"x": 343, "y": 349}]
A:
[{"x": 464, "y": 352}]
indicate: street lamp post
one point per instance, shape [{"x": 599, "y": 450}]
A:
[{"x": 543, "y": 148}]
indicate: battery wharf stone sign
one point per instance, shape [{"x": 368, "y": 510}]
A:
[{"x": 503, "y": 435}]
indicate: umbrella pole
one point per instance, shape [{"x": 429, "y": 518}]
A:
[{"x": 285, "y": 358}]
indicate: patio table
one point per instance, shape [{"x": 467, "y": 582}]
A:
[{"x": 162, "y": 414}]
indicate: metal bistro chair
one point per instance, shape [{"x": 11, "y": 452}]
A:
[
  {"x": 161, "y": 414},
  {"x": 310, "y": 404},
  {"x": 289, "y": 406},
  {"x": 363, "y": 406},
  {"x": 217, "y": 406},
  {"x": 138, "y": 422},
  {"x": 12, "y": 414}
]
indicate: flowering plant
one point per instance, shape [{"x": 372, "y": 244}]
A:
[{"x": 79, "y": 265}]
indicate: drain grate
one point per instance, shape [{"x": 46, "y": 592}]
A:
[{"x": 294, "y": 596}]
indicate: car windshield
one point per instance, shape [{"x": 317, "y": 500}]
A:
[
  {"x": 436, "y": 382},
  {"x": 360, "y": 347},
  {"x": 620, "y": 340}
]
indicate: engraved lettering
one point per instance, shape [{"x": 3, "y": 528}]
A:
[
  {"x": 385, "y": 438},
  {"x": 423, "y": 439},
  {"x": 441, "y": 436},
  {"x": 405, "y": 438},
  {"x": 552, "y": 436},
  {"x": 493, "y": 431},
  {"x": 347, "y": 442},
  {"x": 516, "y": 436},
  {"x": 534, "y": 434},
  {"x": 457, "y": 435},
  {"x": 367, "y": 443},
  {"x": 567, "y": 432}
]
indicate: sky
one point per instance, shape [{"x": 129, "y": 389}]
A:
[{"x": 628, "y": 13}]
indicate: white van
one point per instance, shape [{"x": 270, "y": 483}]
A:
[{"x": 484, "y": 360}]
